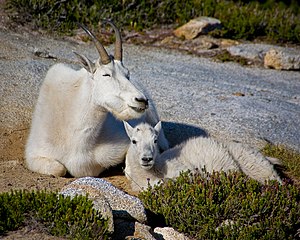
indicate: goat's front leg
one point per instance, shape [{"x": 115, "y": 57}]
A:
[{"x": 47, "y": 166}]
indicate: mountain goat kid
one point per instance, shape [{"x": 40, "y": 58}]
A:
[
  {"x": 144, "y": 163},
  {"x": 76, "y": 125}
]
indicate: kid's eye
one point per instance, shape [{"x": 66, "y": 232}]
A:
[
  {"x": 106, "y": 75},
  {"x": 155, "y": 141},
  {"x": 133, "y": 141}
]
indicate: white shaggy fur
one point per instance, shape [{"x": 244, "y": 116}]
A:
[
  {"x": 76, "y": 125},
  {"x": 144, "y": 163}
]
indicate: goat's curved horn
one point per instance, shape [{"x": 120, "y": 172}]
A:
[
  {"x": 105, "y": 59},
  {"x": 118, "y": 44}
]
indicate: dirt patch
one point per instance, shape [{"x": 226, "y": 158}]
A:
[{"x": 15, "y": 176}]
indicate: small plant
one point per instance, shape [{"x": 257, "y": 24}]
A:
[
  {"x": 58, "y": 215},
  {"x": 226, "y": 206}
]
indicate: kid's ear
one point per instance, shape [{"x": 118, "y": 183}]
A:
[
  {"x": 128, "y": 129},
  {"x": 158, "y": 127}
]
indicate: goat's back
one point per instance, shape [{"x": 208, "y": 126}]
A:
[{"x": 199, "y": 153}]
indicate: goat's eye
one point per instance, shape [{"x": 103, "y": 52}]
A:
[
  {"x": 155, "y": 141},
  {"x": 106, "y": 75},
  {"x": 133, "y": 141}
]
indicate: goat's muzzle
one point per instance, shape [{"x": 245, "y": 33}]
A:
[
  {"x": 141, "y": 106},
  {"x": 143, "y": 101},
  {"x": 147, "y": 162}
]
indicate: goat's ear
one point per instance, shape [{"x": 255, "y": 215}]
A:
[
  {"x": 157, "y": 127},
  {"x": 128, "y": 129},
  {"x": 87, "y": 63}
]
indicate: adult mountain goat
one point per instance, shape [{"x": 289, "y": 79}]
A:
[
  {"x": 76, "y": 124},
  {"x": 144, "y": 163}
]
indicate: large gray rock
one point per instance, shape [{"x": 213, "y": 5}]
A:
[
  {"x": 99, "y": 201},
  {"x": 197, "y": 26},
  {"x": 271, "y": 56},
  {"x": 250, "y": 51},
  {"x": 123, "y": 205},
  {"x": 282, "y": 59}
]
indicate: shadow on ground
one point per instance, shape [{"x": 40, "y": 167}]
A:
[{"x": 179, "y": 132}]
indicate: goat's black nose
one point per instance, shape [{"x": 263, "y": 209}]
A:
[
  {"x": 147, "y": 159},
  {"x": 142, "y": 100}
]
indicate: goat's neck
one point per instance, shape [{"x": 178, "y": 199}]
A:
[
  {"x": 159, "y": 168},
  {"x": 88, "y": 117},
  {"x": 157, "y": 172}
]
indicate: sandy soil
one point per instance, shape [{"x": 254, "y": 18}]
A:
[{"x": 14, "y": 175}]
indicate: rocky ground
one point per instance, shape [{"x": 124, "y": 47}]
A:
[{"x": 264, "y": 107}]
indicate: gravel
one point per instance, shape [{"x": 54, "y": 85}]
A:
[{"x": 193, "y": 95}]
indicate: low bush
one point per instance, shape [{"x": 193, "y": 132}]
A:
[
  {"x": 272, "y": 19},
  {"x": 227, "y": 206},
  {"x": 290, "y": 160},
  {"x": 55, "y": 214},
  {"x": 250, "y": 21}
]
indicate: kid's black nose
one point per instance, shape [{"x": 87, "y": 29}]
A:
[{"x": 147, "y": 159}]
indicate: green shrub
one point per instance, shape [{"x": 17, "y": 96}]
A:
[
  {"x": 50, "y": 14},
  {"x": 61, "y": 216},
  {"x": 201, "y": 207},
  {"x": 250, "y": 21},
  {"x": 241, "y": 19},
  {"x": 290, "y": 159}
]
